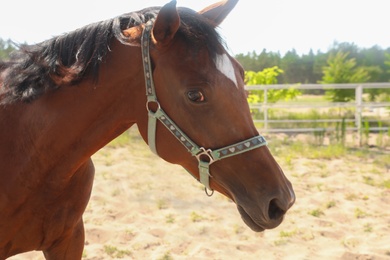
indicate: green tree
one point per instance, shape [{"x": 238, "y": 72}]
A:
[
  {"x": 307, "y": 68},
  {"x": 268, "y": 76},
  {"x": 257, "y": 62},
  {"x": 6, "y": 47},
  {"x": 387, "y": 62},
  {"x": 341, "y": 69},
  {"x": 293, "y": 67},
  {"x": 374, "y": 60}
]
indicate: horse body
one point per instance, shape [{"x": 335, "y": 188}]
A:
[
  {"x": 46, "y": 173},
  {"x": 50, "y": 165}
]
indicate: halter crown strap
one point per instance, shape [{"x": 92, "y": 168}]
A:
[
  {"x": 204, "y": 156},
  {"x": 150, "y": 89}
]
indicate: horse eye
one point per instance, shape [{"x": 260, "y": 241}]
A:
[{"x": 195, "y": 96}]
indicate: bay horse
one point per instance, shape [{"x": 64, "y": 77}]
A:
[{"x": 65, "y": 98}]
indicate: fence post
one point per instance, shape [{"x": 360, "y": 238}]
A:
[
  {"x": 358, "y": 115},
  {"x": 265, "y": 105}
]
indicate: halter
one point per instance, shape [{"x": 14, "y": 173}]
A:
[{"x": 205, "y": 157}]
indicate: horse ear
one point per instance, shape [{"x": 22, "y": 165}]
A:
[
  {"x": 217, "y": 12},
  {"x": 166, "y": 25}
]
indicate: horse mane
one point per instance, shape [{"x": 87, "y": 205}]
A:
[{"x": 65, "y": 60}]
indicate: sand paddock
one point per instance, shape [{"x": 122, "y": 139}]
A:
[{"x": 144, "y": 208}]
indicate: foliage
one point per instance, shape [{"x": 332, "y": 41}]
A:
[
  {"x": 307, "y": 68},
  {"x": 115, "y": 252},
  {"x": 268, "y": 76},
  {"x": 340, "y": 69},
  {"x": 387, "y": 62},
  {"x": 6, "y": 47}
]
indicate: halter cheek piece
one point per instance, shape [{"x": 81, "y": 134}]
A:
[{"x": 204, "y": 156}]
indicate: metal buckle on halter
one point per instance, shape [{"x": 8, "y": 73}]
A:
[
  {"x": 205, "y": 158},
  {"x": 205, "y": 154},
  {"x": 152, "y": 102}
]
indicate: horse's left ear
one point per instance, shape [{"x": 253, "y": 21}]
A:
[
  {"x": 217, "y": 12},
  {"x": 166, "y": 25}
]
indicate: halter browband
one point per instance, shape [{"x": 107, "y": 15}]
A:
[{"x": 204, "y": 156}]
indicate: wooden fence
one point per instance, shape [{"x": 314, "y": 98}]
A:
[{"x": 359, "y": 105}]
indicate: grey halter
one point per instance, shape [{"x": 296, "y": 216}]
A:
[{"x": 204, "y": 156}]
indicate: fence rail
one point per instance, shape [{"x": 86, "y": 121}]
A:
[{"x": 358, "y": 104}]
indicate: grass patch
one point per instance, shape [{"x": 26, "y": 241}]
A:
[
  {"x": 195, "y": 217},
  {"x": 386, "y": 184},
  {"x": 170, "y": 219},
  {"x": 351, "y": 196},
  {"x": 115, "y": 252},
  {"x": 287, "y": 233},
  {"x": 162, "y": 204},
  {"x": 166, "y": 256},
  {"x": 316, "y": 213},
  {"x": 238, "y": 229},
  {"x": 280, "y": 242},
  {"x": 129, "y": 234},
  {"x": 328, "y": 152},
  {"x": 369, "y": 180},
  {"x": 331, "y": 204},
  {"x": 299, "y": 149},
  {"x": 116, "y": 192},
  {"x": 368, "y": 228},
  {"x": 315, "y": 115},
  {"x": 360, "y": 213}
]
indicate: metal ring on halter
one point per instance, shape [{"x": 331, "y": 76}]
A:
[
  {"x": 155, "y": 102},
  {"x": 207, "y": 162},
  {"x": 206, "y": 153},
  {"x": 207, "y": 193}
]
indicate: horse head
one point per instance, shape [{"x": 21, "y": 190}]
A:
[{"x": 200, "y": 89}]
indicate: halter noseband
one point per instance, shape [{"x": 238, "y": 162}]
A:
[{"x": 204, "y": 156}]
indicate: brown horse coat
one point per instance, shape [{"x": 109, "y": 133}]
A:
[{"x": 64, "y": 99}]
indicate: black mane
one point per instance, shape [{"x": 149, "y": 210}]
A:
[{"x": 66, "y": 59}]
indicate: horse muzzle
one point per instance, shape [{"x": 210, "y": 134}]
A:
[{"x": 267, "y": 215}]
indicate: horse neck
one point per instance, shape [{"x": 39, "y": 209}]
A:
[{"x": 65, "y": 127}]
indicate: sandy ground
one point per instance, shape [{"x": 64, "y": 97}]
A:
[{"x": 144, "y": 208}]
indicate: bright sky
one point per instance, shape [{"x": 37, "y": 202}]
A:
[{"x": 276, "y": 25}]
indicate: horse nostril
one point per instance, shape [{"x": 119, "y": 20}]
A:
[{"x": 274, "y": 211}]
